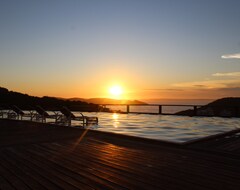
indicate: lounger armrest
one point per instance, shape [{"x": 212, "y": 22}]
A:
[{"x": 81, "y": 114}]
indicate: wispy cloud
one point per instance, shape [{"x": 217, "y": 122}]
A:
[
  {"x": 217, "y": 81},
  {"x": 232, "y": 74},
  {"x": 231, "y": 56},
  {"x": 209, "y": 84},
  {"x": 217, "y": 85},
  {"x": 164, "y": 89}
]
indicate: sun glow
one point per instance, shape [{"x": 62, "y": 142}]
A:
[{"x": 116, "y": 91}]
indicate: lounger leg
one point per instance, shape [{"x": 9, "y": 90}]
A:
[{"x": 69, "y": 122}]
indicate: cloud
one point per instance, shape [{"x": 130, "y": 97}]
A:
[
  {"x": 231, "y": 56},
  {"x": 232, "y": 74},
  {"x": 210, "y": 84},
  {"x": 217, "y": 81},
  {"x": 200, "y": 85},
  {"x": 237, "y": 89},
  {"x": 164, "y": 89}
]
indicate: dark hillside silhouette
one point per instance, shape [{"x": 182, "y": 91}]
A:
[
  {"x": 25, "y": 101},
  {"x": 108, "y": 101},
  {"x": 226, "y": 107}
]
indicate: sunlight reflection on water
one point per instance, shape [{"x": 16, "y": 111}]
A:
[{"x": 163, "y": 127}]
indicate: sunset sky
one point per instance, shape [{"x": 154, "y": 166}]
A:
[{"x": 148, "y": 48}]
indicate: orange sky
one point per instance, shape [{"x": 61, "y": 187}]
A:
[{"x": 153, "y": 49}]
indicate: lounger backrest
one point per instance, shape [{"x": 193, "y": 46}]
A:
[
  {"x": 17, "y": 110},
  {"x": 41, "y": 111},
  {"x": 65, "y": 111}
]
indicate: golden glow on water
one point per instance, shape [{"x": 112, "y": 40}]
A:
[
  {"x": 115, "y": 120},
  {"x": 115, "y": 116}
]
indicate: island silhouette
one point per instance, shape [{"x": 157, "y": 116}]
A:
[
  {"x": 27, "y": 102},
  {"x": 224, "y": 107}
]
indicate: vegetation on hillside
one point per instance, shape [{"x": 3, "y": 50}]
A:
[
  {"x": 24, "y": 101},
  {"x": 226, "y": 107},
  {"x": 108, "y": 101}
]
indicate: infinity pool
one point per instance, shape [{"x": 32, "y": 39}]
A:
[{"x": 163, "y": 127}]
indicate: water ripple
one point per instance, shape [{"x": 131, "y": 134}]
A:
[{"x": 163, "y": 127}]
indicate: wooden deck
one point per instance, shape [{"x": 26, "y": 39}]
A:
[
  {"x": 41, "y": 156},
  {"x": 226, "y": 143}
]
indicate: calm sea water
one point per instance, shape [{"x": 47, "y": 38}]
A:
[
  {"x": 163, "y": 127},
  {"x": 165, "y": 109},
  {"x": 150, "y": 109}
]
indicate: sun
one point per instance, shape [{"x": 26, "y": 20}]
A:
[{"x": 116, "y": 91}]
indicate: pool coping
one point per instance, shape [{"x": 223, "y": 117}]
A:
[{"x": 210, "y": 137}]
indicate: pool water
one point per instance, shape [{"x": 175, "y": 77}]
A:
[{"x": 163, "y": 127}]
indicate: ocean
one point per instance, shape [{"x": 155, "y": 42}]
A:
[
  {"x": 178, "y": 101},
  {"x": 165, "y": 109}
]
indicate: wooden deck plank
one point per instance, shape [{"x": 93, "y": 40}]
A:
[
  {"x": 198, "y": 168},
  {"x": 138, "y": 157},
  {"x": 56, "y": 178},
  {"x": 228, "y": 143},
  {"x": 24, "y": 166},
  {"x": 78, "y": 162},
  {"x": 105, "y": 172},
  {"x": 4, "y": 184},
  {"x": 145, "y": 169},
  {"x": 58, "y": 170},
  {"x": 27, "y": 179},
  {"x": 10, "y": 175},
  {"x": 48, "y": 157}
]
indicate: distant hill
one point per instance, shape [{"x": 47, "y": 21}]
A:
[
  {"x": 178, "y": 101},
  {"x": 226, "y": 107},
  {"x": 107, "y": 101},
  {"x": 24, "y": 101}
]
